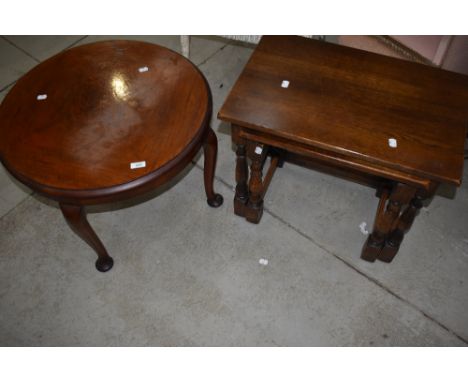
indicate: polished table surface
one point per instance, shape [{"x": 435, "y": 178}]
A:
[
  {"x": 100, "y": 115},
  {"x": 351, "y": 102},
  {"x": 397, "y": 125},
  {"x": 104, "y": 122}
]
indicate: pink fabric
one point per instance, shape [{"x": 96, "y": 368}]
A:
[
  {"x": 456, "y": 58},
  {"x": 367, "y": 43},
  {"x": 447, "y": 52},
  {"x": 426, "y": 46}
]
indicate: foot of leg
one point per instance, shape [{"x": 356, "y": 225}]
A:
[
  {"x": 391, "y": 246},
  {"x": 76, "y": 217},
  {"x": 394, "y": 239},
  {"x": 388, "y": 213},
  {"x": 371, "y": 249},
  {"x": 210, "y": 148},
  {"x": 104, "y": 264}
]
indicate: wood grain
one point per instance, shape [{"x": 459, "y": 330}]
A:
[
  {"x": 350, "y": 102},
  {"x": 73, "y": 126},
  {"x": 101, "y": 114}
]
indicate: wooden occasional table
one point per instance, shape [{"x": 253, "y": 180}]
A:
[
  {"x": 105, "y": 122},
  {"x": 397, "y": 125}
]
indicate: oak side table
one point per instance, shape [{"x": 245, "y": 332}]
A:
[
  {"x": 104, "y": 122},
  {"x": 393, "y": 124}
]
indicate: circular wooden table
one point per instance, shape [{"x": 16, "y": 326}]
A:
[{"x": 105, "y": 122}]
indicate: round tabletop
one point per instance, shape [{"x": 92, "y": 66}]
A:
[{"x": 102, "y": 115}]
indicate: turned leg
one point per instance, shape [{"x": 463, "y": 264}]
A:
[
  {"x": 76, "y": 217},
  {"x": 388, "y": 212},
  {"x": 242, "y": 191},
  {"x": 254, "y": 208},
  {"x": 374, "y": 242},
  {"x": 394, "y": 239},
  {"x": 210, "y": 148}
]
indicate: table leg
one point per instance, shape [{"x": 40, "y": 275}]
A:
[
  {"x": 253, "y": 210},
  {"x": 387, "y": 217},
  {"x": 76, "y": 217},
  {"x": 394, "y": 239},
  {"x": 242, "y": 192},
  {"x": 210, "y": 148}
]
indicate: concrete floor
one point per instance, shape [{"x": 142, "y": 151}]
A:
[{"x": 186, "y": 274}]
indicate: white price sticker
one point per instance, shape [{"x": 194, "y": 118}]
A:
[{"x": 135, "y": 165}]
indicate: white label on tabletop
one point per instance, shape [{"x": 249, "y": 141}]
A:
[
  {"x": 284, "y": 84},
  {"x": 143, "y": 69},
  {"x": 258, "y": 150},
  {"x": 135, "y": 165},
  {"x": 392, "y": 142},
  {"x": 41, "y": 97},
  {"x": 263, "y": 261}
]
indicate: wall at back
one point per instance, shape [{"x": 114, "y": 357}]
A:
[{"x": 447, "y": 52}]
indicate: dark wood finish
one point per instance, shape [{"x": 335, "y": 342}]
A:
[
  {"x": 339, "y": 111},
  {"x": 388, "y": 214},
  {"x": 274, "y": 164},
  {"x": 403, "y": 225},
  {"x": 341, "y": 172},
  {"x": 248, "y": 199},
  {"x": 253, "y": 210},
  {"x": 350, "y": 102},
  {"x": 242, "y": 192},
  {"x": 210, "y": 148},
  {"x": 104, "y": 111}
]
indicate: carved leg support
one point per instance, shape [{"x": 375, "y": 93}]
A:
[
  {"x": 210, "y": 148},
  {"x": 374, "y": 242},
  {"x": 392, "y": 244},
  {"x": 248, "y": 201},
  {"x": 386, "y": 219},
  {"x": 253, "y": 210},
  {"x": 242, "y": 192},
  {"x": 76, "y": 217}
]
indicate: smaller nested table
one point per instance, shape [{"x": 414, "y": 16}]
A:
[
  {"x": 105, "y": 122},
  {"x": 389, "y": 123}
]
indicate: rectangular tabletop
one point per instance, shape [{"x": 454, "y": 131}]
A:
[{"x": 351, "y": 102}]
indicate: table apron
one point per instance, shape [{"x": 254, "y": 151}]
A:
[{"x": 334, "y": 159}]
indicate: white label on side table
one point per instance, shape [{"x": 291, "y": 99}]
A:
[
  {"x": 285, "y": 84},
  {"x": 258, "y": 150},
  {"x": 135, "y": 165}
]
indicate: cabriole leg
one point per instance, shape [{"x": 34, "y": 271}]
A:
[
  {"x": 75, "y": 216},
  {"x": 210, "y": 148}
]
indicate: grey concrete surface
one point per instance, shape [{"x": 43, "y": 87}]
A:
[
  {"x": 43, "y": 47},
  {"x": 201, "y": 48},
  {"x": 13, "y": 63},
  {"x": 11, "y": 191},
  {"x": 189, "y": 275}
]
